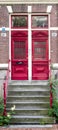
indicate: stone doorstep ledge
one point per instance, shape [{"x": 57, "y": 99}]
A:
[{"x": 40, "y": 127}]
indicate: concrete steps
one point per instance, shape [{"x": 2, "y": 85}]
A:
[
  {"x": 30, "y": 112},
  {"x": 28, "y": 98},
  {"x": 28, "y": 93},
  {"x": 31, "y": 100},
  {"x": 31, "y": 119}
]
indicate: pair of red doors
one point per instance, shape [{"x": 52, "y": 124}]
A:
[{"x": 20, "y": 56}]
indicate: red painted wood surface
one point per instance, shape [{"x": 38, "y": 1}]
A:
[
  {"x": 19, "y": 55},
  {"x": 40, "y": 62}
]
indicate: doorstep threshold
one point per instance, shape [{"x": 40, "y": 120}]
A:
[{"x": 27, "y": 82}]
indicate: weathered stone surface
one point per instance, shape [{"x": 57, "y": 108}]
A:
[
  {"x": 26, "y": 1},
  {"x": 54, "y": 127}
]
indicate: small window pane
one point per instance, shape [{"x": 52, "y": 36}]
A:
[
  {"x": 39, "y": 21},
  {"x": 19, "y": 21},
  {"x": 39, "y": 50},
  {"x": 19, "y": 50}
]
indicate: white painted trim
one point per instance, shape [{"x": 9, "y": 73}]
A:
[
  {"x": 10, "y": 44},
  {"x": 55, "y": 66},
  {"x": 18, "y": 29},
  {"x": 29, "y": 48},
  {"x": 9, "y": 8},
  {"x": 49, "y": 8},
  {"x": 51, "y": 28},
  {"x": 4, "y": 66},
  {"x": 49, "y": 34},
  {"x": 32, "y": 13},
  {"x": 27, "y": 2},
  {"x": 29, "y": 9},
  {"x": 49, "y": 42},
  {"x": 6, "y": 29}
]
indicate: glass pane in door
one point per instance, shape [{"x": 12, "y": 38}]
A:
[
  {"x": 19, "y": 50},
  {"x": 39, "y": 50}
]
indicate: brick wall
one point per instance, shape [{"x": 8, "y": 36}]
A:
[
  {"x": 4, "y": 48},
  {"x": 54, "y": 47},
  {"x": 4, "y": 17},
  {"x": 54, "y": 16},
  {"x": 19, "y": 8},
  {"x": 4, "y": 41}
]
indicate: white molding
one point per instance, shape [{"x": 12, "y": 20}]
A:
[
  {"x": 9, "y": 8},
  {"x": 29, "y": 9},
  {"x": 49, "y": 34},
  {"x": 4, "y": 66},
  {"x": 49, "y": 8},
  {"x": 51, "y": 28},
  {"x": 9, "y": 2},
  {"x": 9, "y": 29},
  {"x": 49, "y": 42},
  {"x": 6, "y": 28},
  {"x": 10, "y": 44},
  {"x": 29, "y": 48},
  {"x": 55, "y": 66}
]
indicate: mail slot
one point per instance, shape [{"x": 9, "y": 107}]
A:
[{"x": 19, "y": 62}]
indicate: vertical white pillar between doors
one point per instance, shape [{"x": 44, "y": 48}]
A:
[
  {"x": 49, "y": 44},
  {"x": 29, "y": 45},
  {"x": 10, "y": 44},
  {"x": 49, "y": 34}
]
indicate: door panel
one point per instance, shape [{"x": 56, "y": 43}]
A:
[
  {"x": 40, "y": 70},
  {"x": 19, "y": 57},
  {"x": 40, "y": 67}
]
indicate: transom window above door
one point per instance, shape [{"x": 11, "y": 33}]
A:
[
  {"x": 19, "y": 21},
  {"x": 40, "y": 21}
]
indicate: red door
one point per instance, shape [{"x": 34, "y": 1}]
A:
[
  {"x": 19, "y": 55},
  {"x": 40, "y": 65}
]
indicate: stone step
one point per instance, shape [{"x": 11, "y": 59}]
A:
[
  {"x": 30, "y": 112},
  {"x": 29, "y": 89},
  {"x": 26, "y": 82},
  {"x": 28, "y": 98},
  {"x": 31, "y": 100},
  {"x": 28, "y": 93},
  {"x": 20, "y": 87},
  {"x": 28, "y": 104},
  {"x": 31, "y": 119}
]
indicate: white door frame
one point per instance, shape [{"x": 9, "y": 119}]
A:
[
  {"x": 29, "y": 45},
  {"x": 29, "y": 41}
]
